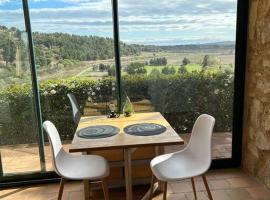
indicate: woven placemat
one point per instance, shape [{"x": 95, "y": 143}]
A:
[
  {"x": 145, "y": 129},
  {"x": 96, "y": 132}
]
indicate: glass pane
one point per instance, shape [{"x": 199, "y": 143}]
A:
[
  {"x": 182, "y": 63},
  {"x": 18, "y": 125},
  {"x": 74, "y": 54}
]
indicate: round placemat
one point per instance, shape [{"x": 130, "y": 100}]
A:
[
  {"x": 145, "y": 129},
  {"x": 96, "y": 132}
]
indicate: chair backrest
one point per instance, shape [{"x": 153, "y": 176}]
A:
[
  {"x": 54, "y": 137},
  {"x": 76, "y": 114},
  {"x": 201, "y": 138},
  {"x": 60, "y": 156}
]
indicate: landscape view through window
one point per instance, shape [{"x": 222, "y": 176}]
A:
[{"x": 177, "y": 58}]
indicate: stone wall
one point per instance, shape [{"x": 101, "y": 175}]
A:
[{"x": 256, "y": 145}]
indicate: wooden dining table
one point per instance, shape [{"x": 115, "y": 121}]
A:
[{"x": 125, "y": 141}]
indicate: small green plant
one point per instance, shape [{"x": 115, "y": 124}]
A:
[{"x": 128, "y": 107}]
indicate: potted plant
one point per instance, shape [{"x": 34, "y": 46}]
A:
[{"x": 128, "y": 107}]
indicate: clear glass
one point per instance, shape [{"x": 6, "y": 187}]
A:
[
  {"x": 18, "y": 124},
  {"x": 74, "y": 54},
  {"x": 182, "y": 62}
]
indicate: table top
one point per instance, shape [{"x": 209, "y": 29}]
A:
[{"x": 123, "y": 140}]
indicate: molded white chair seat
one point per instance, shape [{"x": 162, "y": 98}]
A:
[
  {"x": 80, "y": 167},
  {"x": 177, "y": 166},
  {"x": 193, "y": 160}
]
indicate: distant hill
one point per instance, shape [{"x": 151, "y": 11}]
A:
[
  {"x": 189, "y": 47},
  {"x": 54, "y": 48},
  {"x": 61, "y": 46}
]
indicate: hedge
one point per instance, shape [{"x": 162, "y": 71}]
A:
[{"x": 180, "y": 98}]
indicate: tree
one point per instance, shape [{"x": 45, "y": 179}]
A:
[
  {"x": 210, "y": 61},
  {"x": 136, "y": 68},
  {"x": 9, "y": 51},
  {"x": 111, "y": 71},
  {"x": 163, "y": 61},
  {"x": 168, "y": 70},
  {"x": 141, "y": 70},
  {"x": 158, "y": 61},
  {"x": 206, "y": 61},
  {"x": 182, "y": 70},
  {"x": 102, "y": 67},
  {"x": 185, "y": 61}
]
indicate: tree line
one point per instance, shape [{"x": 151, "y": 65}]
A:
[{"x": 53, "y": 47}]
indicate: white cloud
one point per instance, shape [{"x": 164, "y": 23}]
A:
[
  {"x": 164, "y": 18},
  {"x": 40, "y": 0},
  {"x": 4, "y": 1}
]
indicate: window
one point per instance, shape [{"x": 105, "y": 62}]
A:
[
  {"x": 19, "y": 146},
  {"x": 180, "y": 58},
  {"x": 183, "y": 62},
  {"x": 74, "y": 54}
]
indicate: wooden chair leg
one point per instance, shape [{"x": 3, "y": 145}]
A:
[
  {"x": 152, "y": 187},
  {"x": 61, "y": 189},
  {"x": 105, "y": 189},
  {"x": 207, "y": 187},
  {"x": 165, "y": 191},
  {"x": 194, "y": 188}
]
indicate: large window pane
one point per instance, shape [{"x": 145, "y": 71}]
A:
[
  {"x": 74, "y": 54},
  {"x": 183, "y": 64},
  {"x": 18, "y": 125}
]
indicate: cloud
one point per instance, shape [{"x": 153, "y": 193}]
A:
[
  {"x": 166, "y": 20},
  {"x": 4, "y": 1},
  {"x": 40, "y": 0}
]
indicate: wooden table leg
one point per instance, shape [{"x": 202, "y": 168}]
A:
[
  {"x": 86, "y": 189},
  {"x": 128, "y": 173},
  {"x": 159, "y": 185}
]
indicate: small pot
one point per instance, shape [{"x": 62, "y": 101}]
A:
[{"x": 127, "y": 114}]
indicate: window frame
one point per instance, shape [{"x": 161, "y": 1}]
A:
[{"x": 44, "y": 176}]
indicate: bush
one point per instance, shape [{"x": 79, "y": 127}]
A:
[
  {"x": 185, "y": 61},
  {"x": 182, "y": 69},
  {"x": 181, "y": 98},
  {"x": 54, "y": 104},
  {"x": 168, "y": 70},
  {"x": 136, "y": 68},
  {"x": 209, "y": 61},
  {"x": 158, "y": 61}
]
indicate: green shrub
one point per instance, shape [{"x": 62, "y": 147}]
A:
[{"x": 181, "y": 98}]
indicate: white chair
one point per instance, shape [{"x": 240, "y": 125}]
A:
[
  {"x": 193, "y": 160},
  {"x": 76, "y": 114},
  {"x": 76, "y": 167}
]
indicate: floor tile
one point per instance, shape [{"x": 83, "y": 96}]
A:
[{"x": 230, "y": 184}]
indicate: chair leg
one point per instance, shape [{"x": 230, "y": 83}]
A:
[
  {"x": 194, "y": 188},
  {"x": 152, "y": 187},
  {"x": 105, "y": 189},
  {"x": 61, "y": 189},
  {"x": 165, "y": 191},
  {"x": 207, "y": 187}
]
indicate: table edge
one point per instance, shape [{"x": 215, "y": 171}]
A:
[{"x": 126, "y": 146}]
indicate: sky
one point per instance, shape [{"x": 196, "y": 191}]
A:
[{"x": 157, "y": 22}]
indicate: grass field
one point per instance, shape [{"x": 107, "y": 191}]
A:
[
  {"x": 190, "y": 68},
  {"x": 85, "y": 68}
]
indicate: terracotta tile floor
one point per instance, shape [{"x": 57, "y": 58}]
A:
[
  {"x": 229, "y": 184},
  {"x": 25, "y": 158}
]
